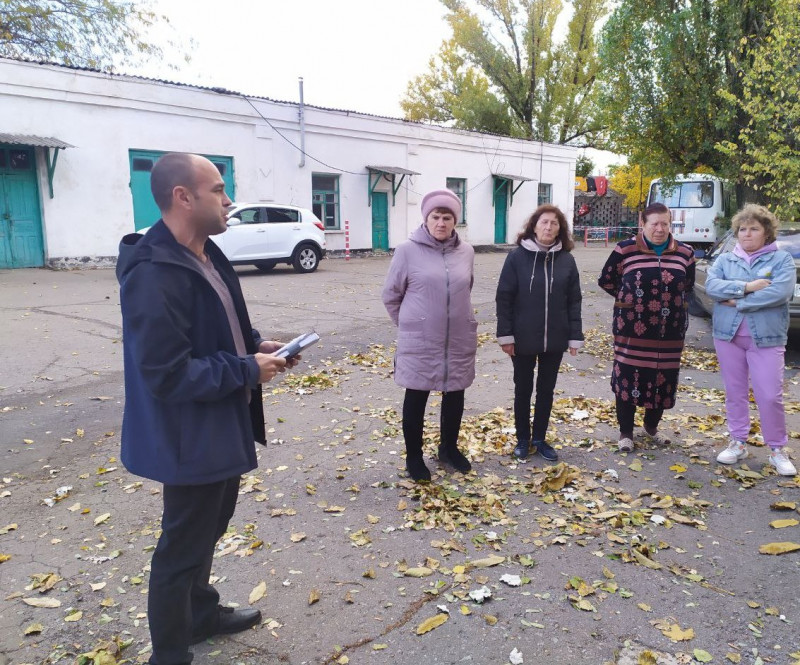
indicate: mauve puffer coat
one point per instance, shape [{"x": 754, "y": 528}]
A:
[{"x": 427, "y": 295}]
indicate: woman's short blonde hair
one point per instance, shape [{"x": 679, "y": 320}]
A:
[{"x": 756, "y": 213}]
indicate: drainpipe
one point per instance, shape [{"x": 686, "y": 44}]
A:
[{"x": 302, "y": 127}]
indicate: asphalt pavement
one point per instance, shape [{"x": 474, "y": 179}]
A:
[{"x": 596, "y": 560}]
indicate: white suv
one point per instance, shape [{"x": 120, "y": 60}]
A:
[{"x": 264, "y": 234}]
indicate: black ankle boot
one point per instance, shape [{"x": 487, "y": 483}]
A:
[
  {"x": 522, "y": 449},
  {"x": 454, "y": 457},
  {"x": 416, "y": 468}
]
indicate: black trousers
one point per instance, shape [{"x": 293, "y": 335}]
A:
[
  {"x": 626, "y": 412},
  {"x": 181, "y": 601},
  {"x": 414, "y": 418},
  {"x": 546, "y": 378}
]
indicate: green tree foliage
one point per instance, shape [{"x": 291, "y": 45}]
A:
[
  {"x": 504, "y": 72},
  {"x": 87, "y": 33},
  {"x": 766, "y": 150},
  {"x": 584, "y": 166},
  {"x": 454, "y": 92},
  {"x": 664, "y": 63}
]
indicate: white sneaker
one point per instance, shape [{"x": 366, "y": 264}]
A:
[
  {"x": 735, "y": 451},
  {"x": 781, "y": 462},
  {"x": 625, "y": 445}
]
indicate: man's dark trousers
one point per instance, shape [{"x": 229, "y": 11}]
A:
[{"x": 182, "y": 604}]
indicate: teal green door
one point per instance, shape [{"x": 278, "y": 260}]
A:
[
  {"x": 500, "y": 212},
  {"x": 21, "y": 236},
  {"x": 145, "y": 210},
  {"x": 380, "y": 221}
]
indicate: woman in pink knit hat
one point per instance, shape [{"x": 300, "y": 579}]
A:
[{"x": 427, "y": 295}]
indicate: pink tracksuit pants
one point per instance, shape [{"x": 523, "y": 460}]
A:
[{"x": 740, "y": 360}]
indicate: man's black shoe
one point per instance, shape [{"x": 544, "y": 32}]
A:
[
  {"x": 231, "y": 621},
  {"x": 546, "y": 450}
]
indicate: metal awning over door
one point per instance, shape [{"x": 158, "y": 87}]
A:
[
  {"x": 389, "y": 173},
  {"x": 500, "y": 179},
  {"x": 47, "y": 142}
]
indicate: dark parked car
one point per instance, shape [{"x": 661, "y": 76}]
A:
[{"x": 788, "y": 239}]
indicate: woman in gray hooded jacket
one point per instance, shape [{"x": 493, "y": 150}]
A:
[
  {"x": 427, "y": 295},
  {"x": 538, "y": 318}
]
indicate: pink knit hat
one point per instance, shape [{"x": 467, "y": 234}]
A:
[{"x": 441, "y": 198}]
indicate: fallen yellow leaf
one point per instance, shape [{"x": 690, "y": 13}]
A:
[
  {"x": 313, "y": 597},
  {"x": 422, "y": 571},
  {"x": 297, "y": 537},
  {"x": 34, "y": 629},
  {"x": 490, "y": 619},
  {"x": 782, "y": 524},
  {"x": 583, "y": 604},
  {"x": 258, "y": 592},
  {"x": 432, "y": 622},
  {"x": 42, "y": 602},
  {"x": 642, "y": 559},
  {"x": 101, "y": 518},
  {"x": 492, "y": 560},
  {"x": 678, "y": 634},
  {"x": 779, "y": 548},
  {"x": 75, "y": 616}
]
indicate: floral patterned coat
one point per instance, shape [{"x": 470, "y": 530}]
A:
[{"x": 650, "y": 318}]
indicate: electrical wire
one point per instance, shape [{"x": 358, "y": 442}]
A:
[
  {"x": 342, "y": 170},
  {"x": 295, "y": 146}
]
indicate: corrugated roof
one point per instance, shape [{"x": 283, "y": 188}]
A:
[
  {"x": 521, "y": 178},
  {"x": 39, "y": 141},
  {"x": 397, "y": 170}
]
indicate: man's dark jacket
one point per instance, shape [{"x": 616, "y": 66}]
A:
[
  {"x": 187, "y": 419},
  {"x": 539, "y": 301}
]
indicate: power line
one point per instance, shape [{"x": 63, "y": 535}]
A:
[{"x": 295, "y": 146}]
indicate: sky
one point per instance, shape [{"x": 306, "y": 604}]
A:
[
  {"x": 352, "y": 54},
  {"x": 357, "y": 55}
]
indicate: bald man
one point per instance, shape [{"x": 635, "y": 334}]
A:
[{"x": 194, "y": 366}]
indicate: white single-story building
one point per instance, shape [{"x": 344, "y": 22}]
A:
[{"x": 77, "y": 146}]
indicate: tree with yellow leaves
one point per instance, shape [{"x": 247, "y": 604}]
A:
[{"x": 631, "y": 182}]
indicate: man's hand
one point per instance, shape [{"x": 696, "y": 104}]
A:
[
  {"x": 270, "y": 346},
  {"x": 269, "y": 366},
  {"x": 573, "y": 351},
  {"x": 729, "y": 303},
  {"x": 508, "y": 348}
]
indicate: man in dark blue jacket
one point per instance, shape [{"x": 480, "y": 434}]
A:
[{"x": 193, "y": 373}]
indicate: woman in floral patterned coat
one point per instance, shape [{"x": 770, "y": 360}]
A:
[{"x": 650, "y": 277}]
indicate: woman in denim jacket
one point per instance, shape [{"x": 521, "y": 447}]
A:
[{"x": 752, "y": 287}]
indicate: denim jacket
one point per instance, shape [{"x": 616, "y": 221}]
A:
[{"x": 766, "y": 312}]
